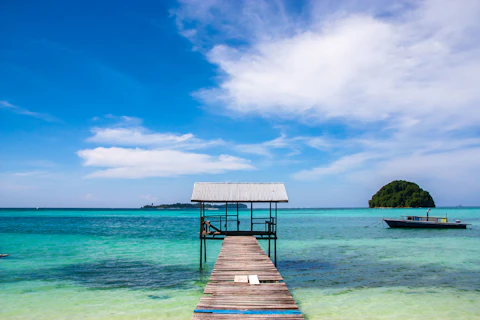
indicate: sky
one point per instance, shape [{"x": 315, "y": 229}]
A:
[{"x": 126, "y": 103}]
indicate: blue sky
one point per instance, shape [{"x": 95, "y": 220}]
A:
[{"x": 121, "y": 103}]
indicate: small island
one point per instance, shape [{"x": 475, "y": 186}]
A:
[
  {"x": 401, "y": 194},
  {"x": 195, "y": 206}
]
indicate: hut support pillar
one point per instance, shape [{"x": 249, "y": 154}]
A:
[
  {"x": 269, "y": 228},
  {"x": 275, "y": 241},
  {"x": 251, "y": 216},
  {"x": 275, "y": 250},
  {"x": 200, "y": 252},
  {"x": 201, "y": 232},
  {"x": 205, "y": 248},
  {"x": 203, "y": 237}
]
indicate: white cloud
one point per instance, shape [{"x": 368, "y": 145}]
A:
[
  {"x": 16, "y": 109},
  {"x": 402, "y": 66},
  {"x": 169, "y": 154},
  {"x": 121, "y": 134},
  {"x": 359, "y": 67},
  {"x": 141, "y": 163},
  {"x": 400, "y": 81},
  {"x": 134, "y": 136},
  {"x": 231, "y": 20},
  {"x": 139, "y": 136}
]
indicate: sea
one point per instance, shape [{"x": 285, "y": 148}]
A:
[{"x": 144, "y": 264}]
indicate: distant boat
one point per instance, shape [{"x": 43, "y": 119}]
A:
[{"x": 425, "y": 222}]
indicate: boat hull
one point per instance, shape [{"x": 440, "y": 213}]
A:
[{"x": 396, "y": 223}]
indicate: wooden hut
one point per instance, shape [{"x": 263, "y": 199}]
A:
[{"x": 216, "y": 224}]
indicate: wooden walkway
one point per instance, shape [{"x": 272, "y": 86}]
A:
[{"x": 229, "y": 296}]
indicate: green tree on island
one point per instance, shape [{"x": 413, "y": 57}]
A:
[{"x": 401, "y": 194}]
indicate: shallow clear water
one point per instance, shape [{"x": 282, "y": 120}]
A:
[{"x": 133, "y": 264}]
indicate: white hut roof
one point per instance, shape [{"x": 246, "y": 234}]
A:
[{"x": 239, "y": 192}]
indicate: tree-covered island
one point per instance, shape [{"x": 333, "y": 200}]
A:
[
  {"x": 401, "y": 194},
  {"x": 194, "y": 206}
]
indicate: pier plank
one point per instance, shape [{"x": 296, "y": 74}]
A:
[{"x": 224, "y": 298}]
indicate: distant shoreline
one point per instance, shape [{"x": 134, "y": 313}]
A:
[
  {"x": 259, "y": 208},
  {"x": 179, "y": 206}
]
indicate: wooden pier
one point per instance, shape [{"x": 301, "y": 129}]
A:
[{"x": 245, "y": 284}]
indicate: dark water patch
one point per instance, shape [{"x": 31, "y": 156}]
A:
[
  {"x": 28, "y": 291},
  {"x": 125, "y": 227},
  {"x": 114, "y": 274},
  {"x": 305, "y": 265},
  {"x": 364, "y": 272},
  {"x": 156, "y": 297},
  {"x": 117, "y": 274}
]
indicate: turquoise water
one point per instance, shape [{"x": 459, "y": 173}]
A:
[{"x": 133, "y": 264}]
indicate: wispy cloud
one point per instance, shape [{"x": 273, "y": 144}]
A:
[
  {"x": 341, "y": 165},
  {"x": 142, "y": 163},
  {"x": 123, "y": 139},
  {"x": 18, "y": 110},
  {"x": 119, "y": 121},
  {"x": 289, "y": 145},
  {"x": 448, "y": 166},
  {"x": 30, "y": 173},
  {"x": 37, "y": 174},
  {"x": 140, "y": 136},
  {"x": 132, "y": 151},
  {"x": 121, "y": 133},
  {"x": 129, "y": 131}
]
